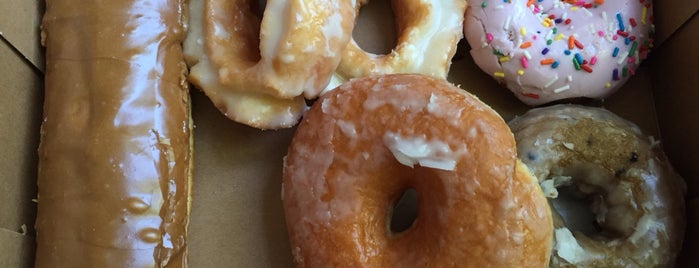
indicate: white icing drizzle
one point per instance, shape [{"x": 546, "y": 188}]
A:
[
  {"x": 417, "y": 150},
  {"x": 567, "y": 247},
  {"x": 347, "y": 128}
]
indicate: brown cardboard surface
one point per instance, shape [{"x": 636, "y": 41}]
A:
[
  {"x": 20, "y": 116},
  {"x": 671, "y": 15},
  {"x": 18, "y": 25},
  {"x": 237, "y": 218},
  {"x": 690, "y": 248},
  {"x": 16, "y": 249},
  {"x": 676, "y": 95}
]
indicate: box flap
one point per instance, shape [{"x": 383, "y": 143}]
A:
[
  {"x": 675, "y": 86},
  {"x": 22, "y": 28},
  {"x": 17, "y": 249},
  {"x": 21, "y": 117},
  {"x": 670, "y": 15}
]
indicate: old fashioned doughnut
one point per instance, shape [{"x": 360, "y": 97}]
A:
[
  {"x": 427, "y": 35},
  {"x": 258, "y": 72},
  {"x": 115, "y": 158},
  {"x": 631, "y": 192},
  {"x": 363, "y": 144},
  {"x": 547, "y": 50}
]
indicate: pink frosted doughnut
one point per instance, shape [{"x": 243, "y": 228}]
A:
[{"x": 547, "y": 50}]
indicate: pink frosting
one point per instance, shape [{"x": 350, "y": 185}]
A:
[{"x": 508, "y": 39}]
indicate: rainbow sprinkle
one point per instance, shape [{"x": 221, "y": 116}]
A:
[
  {"x": 643, "y": 15},
  {"x": 633, "y": 48},
  {"x": 620, "y": 21},
  {"x": 576, "y": 64},
  {"x": 586, "y": 68},
  {"x": 545, "y": 40},
  {"x": 571, "y": 42},
  {"x": 550, "y": 82},
  {"x": 561, "y": 89}
]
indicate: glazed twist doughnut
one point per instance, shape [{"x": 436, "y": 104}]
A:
[
  {"x": 635, "y": 196},
  {"x": 258, "y": 73},
  {"x": 361, "y": 145},
  {"x": 428, "y": 32},
  {"x": 548, "y": 50}
]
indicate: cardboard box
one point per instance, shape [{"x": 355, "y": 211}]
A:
[{"x": 237, "y": 219}]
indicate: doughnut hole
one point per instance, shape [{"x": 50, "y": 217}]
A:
[
  {"x": 597, "y": 203},
  {"x": 576, "y": 210},
  {"x": 257, "y": 7},
  {"x": 404, "y": 212},
  {"x": 375, "y": 30},
  {"x": 249, "y": 20}
]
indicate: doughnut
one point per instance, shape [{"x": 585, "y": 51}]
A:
[
  {"x": 632, "y": 195},
  {"x": 115, "y": 157},
  {"x": 258, "y": 72},
  {"x": 363, "y": 144},
  {"x": 548, "y": 50},
  {"x": 427, "y": 35}
]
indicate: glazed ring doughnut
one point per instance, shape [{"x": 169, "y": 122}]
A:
[
  {"x": 428, "y": 32},
  {"x": 547, "y": 50},
  {"x": 636, "y": 198},
  {"x": 363, "y": 144},
  {"x": 258, "y": 73}
]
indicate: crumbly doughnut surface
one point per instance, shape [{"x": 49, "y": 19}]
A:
[{"x": 634, "y": 195}]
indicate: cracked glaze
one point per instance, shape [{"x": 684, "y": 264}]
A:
[{"x": 361, "y": 145}]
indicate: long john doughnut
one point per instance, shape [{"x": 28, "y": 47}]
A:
[{"x": 115, "y": 155}]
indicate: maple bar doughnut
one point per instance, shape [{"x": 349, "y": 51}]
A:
[
  {"x": 634, "y": 197},
  {"x": 361, "y": 145},
  {"x": 428, "y": 32},
  {"x": 548, "y": 50},
  {"x": 115, "y": 158},
  {"x": 258, "y": 72}
]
